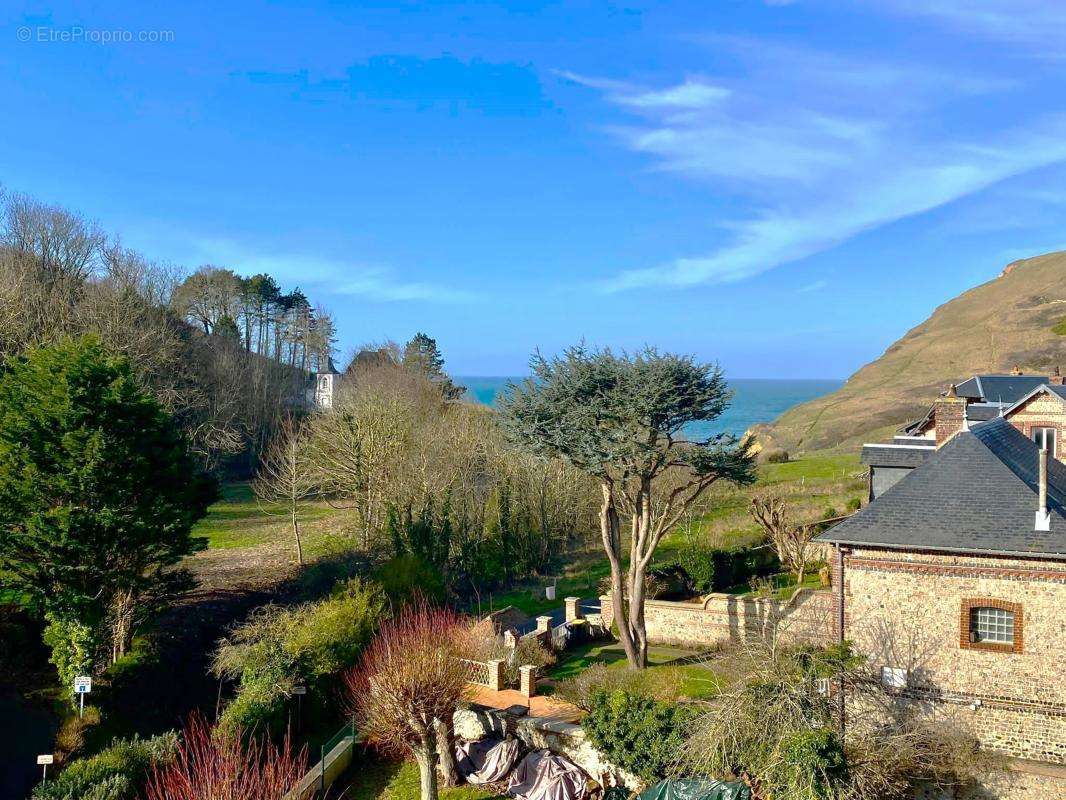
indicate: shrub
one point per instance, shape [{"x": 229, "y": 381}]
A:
[
  {"x": 637, "y": 732},
  {"x": 672, "y": 581},
  {"x": 528, "y": 651},
  {"x": 814, "y": 761},
  {"x": 854, "y": 504},
  {"x": 73, "y": 645},
  {"x": 70, "y": 738},
  {"x": 698, "y": 562},
  {"x": 738, "y": 567},
  {"x": 278, "y": 648},
  {"x": 825, "y": 577},
  {"x": 775, "y": 455},
  {"x": 409, "y": 576},
  {"x": 207, "y": 765},
  {"x": 117, "y": 773}
]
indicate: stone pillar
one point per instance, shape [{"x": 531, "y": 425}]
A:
[
  {"x": 496, "y": 674},
  {"x": 527, "y": 683},
  {"x": 573, "y": 608},
  {"x": 544, "y": 625}
]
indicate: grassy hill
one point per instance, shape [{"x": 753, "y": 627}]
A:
[{"x": 1017, "y": 319}]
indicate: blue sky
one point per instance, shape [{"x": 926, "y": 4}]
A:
[{"x": 785, "y": 187}]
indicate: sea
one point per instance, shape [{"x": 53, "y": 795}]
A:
[{"x": 754, "y": 399}]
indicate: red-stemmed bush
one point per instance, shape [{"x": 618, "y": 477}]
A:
[{"x": 212, "y": 766}]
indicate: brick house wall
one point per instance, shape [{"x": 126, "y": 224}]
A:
[
  {"x": 1043, "y": 411},
  {"x": 911, "y": 610}
]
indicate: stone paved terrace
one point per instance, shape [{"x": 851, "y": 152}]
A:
[{"x": 548, "y": 708}]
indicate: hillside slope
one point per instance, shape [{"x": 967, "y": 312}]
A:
[{"x": 994, "y": 327}]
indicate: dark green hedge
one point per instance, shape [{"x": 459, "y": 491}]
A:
[{"x": 637, "y": 732}]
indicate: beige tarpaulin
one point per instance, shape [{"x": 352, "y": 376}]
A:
[
  {"x": 542, "y": 775},
  {"x": 486, "y": 760}
]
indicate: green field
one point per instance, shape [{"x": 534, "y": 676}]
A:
[{"x": 238, "y": 519}]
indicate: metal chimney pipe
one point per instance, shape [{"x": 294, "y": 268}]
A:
[
  {"x": 1043, "y": 480},
  {"x": 1043, "y": 518}
]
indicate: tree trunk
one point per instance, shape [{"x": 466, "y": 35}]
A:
[
  {"x": 612, "y": 545},
  {"x": 449, "y": 773},
  {"x": 122, "y": 625},
  {"x": 296, "y": 534},
  {"x": 426, "y": 755},
  {"x": 636, "y": 617}
]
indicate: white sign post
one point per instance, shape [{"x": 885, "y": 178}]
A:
[
  {"x": 83, "y": 684},
  {"x": 43, "y": 762}
]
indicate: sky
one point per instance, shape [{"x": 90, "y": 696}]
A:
[{"x": 782, "y": 187}]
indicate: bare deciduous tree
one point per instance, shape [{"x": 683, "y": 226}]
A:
[
  {"x": 285, "y": 479},
  {"x": 791, "y": 540}
]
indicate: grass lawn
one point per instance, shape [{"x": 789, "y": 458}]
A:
[
  {"x": 581, "y": 579},
  {"x": 815, "y": 486},
  {"x": 373, "y": 779},
  {"x": 238, "y": 519},
  {"x": 816, "y": 466},
  {"x": 697, "y": 679}
]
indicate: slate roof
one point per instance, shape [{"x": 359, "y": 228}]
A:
[
  {"x": 982, "y": 412},
  {"x": 976, "y": 494},
  {"x": 1058, "y": 391},
  {"x": 999, "y": 388},
  {"x": 895, "y": 455}
]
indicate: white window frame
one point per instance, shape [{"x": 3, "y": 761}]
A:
[
  {"x": 1039, "y": 434},
  {"x": 1001, "y": 626}
]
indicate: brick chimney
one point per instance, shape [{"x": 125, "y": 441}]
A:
[
  {"x": 949, "y": 415},
  {"x": 1056, "y": 378}
]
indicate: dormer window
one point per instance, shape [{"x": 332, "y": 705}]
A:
[{"x": 1045, "y": 439}]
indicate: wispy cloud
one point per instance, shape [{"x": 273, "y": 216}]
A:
[
  {"x": 372, "y": 282},
  {"x": 820, "y": 149},
  {"x": 690, "y": 94},
  {"x": 782, "y": 236},
  {"x": 1036, "y": 24},
  {"x": 693, "y": 93}
]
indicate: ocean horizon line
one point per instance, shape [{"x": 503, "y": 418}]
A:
[{"x": 755, "y": 400}]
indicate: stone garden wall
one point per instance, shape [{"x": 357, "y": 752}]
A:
[{"x": 720, "y": 619}]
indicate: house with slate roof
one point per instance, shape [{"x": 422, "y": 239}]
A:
[
  {"x": 952, "y": 581},
  {"x": 1034, "y": 404}
]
